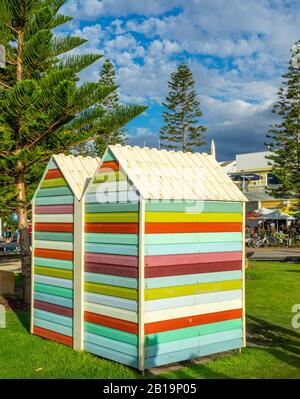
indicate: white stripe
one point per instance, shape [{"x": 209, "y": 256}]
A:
[
  {"x": 63, "y": 246},
  {"x": 54, "y": 218},
  {"x": 112, "y": 312},
  {"x": 59, "y": 282}
]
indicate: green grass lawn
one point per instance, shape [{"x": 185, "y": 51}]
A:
[{"x": 273, "y": 351}]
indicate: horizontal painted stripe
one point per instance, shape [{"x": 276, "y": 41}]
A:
[
  {"x": 54, "y": 299},
  {"x": 122, "y": 260},
  {"x": 57, "y": 245},
  {"x": 121, "y": 217},
  {"x": 191, "y": 238},
  {"x": 118, "y": 207},
  {"x": 180, "y": 270},
  {"x": 56, "y": 263},
  {"x": 52, "y": 164},
  {"x": 111, "y": 354},
  {"x": 109, "y": 156},
  {"x": 131, "y": 250},
  {"x": 120, "y": 228},
  {"x": 193, "y": 206},
  {"x": 192, "y": 217},
  {"x": 58, "y": 182},
  {"x": 195, "y": 310},
  {"x": 57, "y": 227},
  {"x": 114, "y": 165},
  {"x": 116, "y": 313},
  {"x": 49, "y": 307},
  {"x": 54, "y": 209},
  {"x": 192, "y": 300},
  {"x": 52, "y": 290},
  {"x": 54, "y": 336},
  {"x": 107, "y": 176},
  {"x": 168, "y": 249},
  {"x": 58, "y": 282},
  {"x": 123, "y": 271},
  {"x": 53, "y": 317},
  {"x": 53, "y": 236},
  {"x": 117, "y": 335},
  {"x": 55, "y": 218},
  {"x": 188, "y": 343},
  {"x": 59, "y": 328},
  {"x": 192, "y": 353},
  {"x": 53, "y": 174},
  {"x": 131, "y": 239},
  {"x": 202, "y": 227},
  {"x": 192, "y": 279},
  {"x": 110, "y": 280},
  {"x": 111, "y": 322},
  {"x": 108, "y": 300},
  {"x": 115, "y": 186},
  {"x": 106, "y": 194},
  {"x": 54, "y": 192},
  {"x": 193, "y": 289},
  {"x": 54, "y": 272},
  {"x": 185, "y": 333},
  {"x": 188, "y": 259},
  {"x": 62, "y": 200},
  {"x": 109, "y": 343},
  {"x": 189, "y": 321},
  {"x": 121, "y": 292}
]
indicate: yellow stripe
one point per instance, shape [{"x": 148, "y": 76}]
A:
[
  {"x": 192, "y": 217},
  {"x": 194, "y": 289},
  {"x": 112, "y": 217},
  {"x": 59, "y": 182},
  {"x": 121, "y": 292},
  {"x": 53, "y": 272}
]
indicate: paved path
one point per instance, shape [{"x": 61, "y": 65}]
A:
[
  {"x": 10, "y": 263},
  {"x": 275, "y": 253}
]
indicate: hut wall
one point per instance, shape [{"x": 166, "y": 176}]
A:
[
  {"x": 53, "y": 258},
  {"x": 111, "y": 266},
  {"x": 193, "y": 280}
]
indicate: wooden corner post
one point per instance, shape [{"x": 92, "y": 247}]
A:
[
  {"x": 244, "y": 274},
  {"x": 141, "y": 285},
  {"x": 32, "y": 268}
]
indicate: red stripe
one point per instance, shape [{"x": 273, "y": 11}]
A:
[
  {"x": 57, "y": 227},
  {"x": 184, "y": 322},
  {"x": 121, "y": 228},
  {"x": 53, "y": 254},
  {"x": 54, "y": 209},
  {"x": 109, "y": 165},
  {"x": 123, "y": 260},
  {"x": 50, "y": 307},
  {"x": 188, "y": 259},
  {"x": 113, "y": 270},
  {"x": 53, "y": 174},
  {"x": 54, "y": 336},
  {"x": 111, "y": 322},
  {"x": 212, "y": 227},
  {"x": 179, "y": 270}
]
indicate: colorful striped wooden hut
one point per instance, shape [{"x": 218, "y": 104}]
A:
[
  {"x": 57, "y": 261},
  {"x": 164, "y": 258}
]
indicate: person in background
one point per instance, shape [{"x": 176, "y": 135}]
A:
[{"x": 8, "y": 234}]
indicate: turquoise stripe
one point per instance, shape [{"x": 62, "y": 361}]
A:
[
  {"x": 117, "y": 207},
  {"x": 112, "y": 249},
  {"x": 111, "y": 354},
  {"x": 53, "y": 290},
  {"x": 56, "y": 300},
  {"x": 193, "y": 206},
  {"x": 160, "y": 282},
  {"x": 45, "y": 236},
  {"x": 131, "y": 239},
  {"x": 48, "y": 325},
  {"x": 53, "y": 317},
  {"x": 52, "y": 165},
  {"x": 191, "y": 248},
  {"x": 54, "y": 192},
  {"x": 111, "y": 280},
  {"x": 112, "y": 333},
  {"x": 109, "y": 156},
  {"x": 56, "y": 263},
  {"x": 191, "y": 238},
  {"x": 110, "y": 343},
  {"x": 62, "y": 200}
]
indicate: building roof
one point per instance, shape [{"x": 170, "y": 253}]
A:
[
  {"x": 160, "y": 174},
  {"x": 77, "y": 171}
]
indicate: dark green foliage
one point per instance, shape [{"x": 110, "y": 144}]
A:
[{"x": 182, "y": 129}]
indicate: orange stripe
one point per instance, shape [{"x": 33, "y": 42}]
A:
[
  {"x": 56, "y": 227},
  {"x": 184, "y": 322},
  {"x": 111, "y": 322},
  {"x": 54, "y": 336},
  {"x": 53, "y": 254},
  {"x": 113, "y": 165},
  {"x": 53, "y": 173},
  {"x": 122, "y": 228},
  {"x": 213, "y": 227}
]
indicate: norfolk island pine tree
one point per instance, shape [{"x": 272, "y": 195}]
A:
[{"x": 43, "y": 109}]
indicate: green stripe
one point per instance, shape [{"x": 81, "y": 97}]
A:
[
  {"x": 190, "y": 238},
  {"x": 118, "y": 335},
  {"x": 122, "y": 217},
  {"x": 52, "y": 272},
  {"x": 106, "y": 177},
  {"x": 184, "y": 333},
  {"x": 125, "y": 207},
  {"x": 52, "y": 290},
  {"x": 57, "y": 182},
  {"x": 45, "y": 236},
  {"x": 193, "y": 206},
  {"x": 112, "y": 238},
  {"x": 104, "y": 289},
  {"x": 54, "y": 192}
]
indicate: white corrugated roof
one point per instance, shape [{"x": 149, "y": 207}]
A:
[
  {"x": 161, "y": 174},
  {"x": 77, "y": 171}
]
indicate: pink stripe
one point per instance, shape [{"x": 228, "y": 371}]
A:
[
  {"x": 54, "y": 209},
  {"x": 188, "y": 259},
  {"x": 124, "y": 260}
]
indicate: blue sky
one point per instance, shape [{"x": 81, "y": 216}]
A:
[{"x": 237, "y": 51}]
